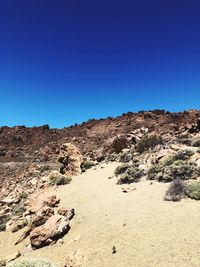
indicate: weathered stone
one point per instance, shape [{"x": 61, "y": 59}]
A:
[
  {"x": 55, "y": 227},
  {"x": 41, "y": 218},
  {"x": 71, "y": 159}
]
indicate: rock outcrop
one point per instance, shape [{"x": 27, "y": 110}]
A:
[
  {"x": 55, "y": 227},
  {"x": 71, "y": 160}
]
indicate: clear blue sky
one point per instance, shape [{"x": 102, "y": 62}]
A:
[{"x": 63, "y": 62}]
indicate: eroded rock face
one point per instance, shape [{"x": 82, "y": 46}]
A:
[
  {"x": 37, "y": 220},
  {"x": 116, "y": 144},
  {"x": 45, "y": 197},
  {"x": 71, "y": 159},
  {"x": 55, "y": 227}
]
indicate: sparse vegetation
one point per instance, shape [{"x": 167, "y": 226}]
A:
[
  {"x": 168, "y": 161},
  {"x": 18, "y": 209},
  {"x": 193, "y": 190},
  {"x": 23, "y": 195},
  {"x": 45, "y": 168},
  {"x": 113, "y": 157},
  {"x": 178, "y": 169},
  {"x": 125, "y": 156},
  {"x": 121, "y": 169},
  {"x": 125, "y": 179},
  {"x": 128, "y": 174},
  {"x": 176, "y": 191},
  {"x": 87, "y": 165},
  {"x": 59, "y": 180},
  {"x": 148, "y": 142},
  {"x": 4, "y": 218}
]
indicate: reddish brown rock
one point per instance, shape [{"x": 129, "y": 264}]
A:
[
  {"x": 52, "y": 201},
  {"x": 55, "y": 227},
  {"x": 68, "y": 213},
  {"x": 71, "y": 159}
]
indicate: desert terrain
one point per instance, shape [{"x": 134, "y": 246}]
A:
[{"x": 113, "y": 201}]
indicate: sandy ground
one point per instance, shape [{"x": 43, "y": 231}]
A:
[{"x": 145, "y": 230}]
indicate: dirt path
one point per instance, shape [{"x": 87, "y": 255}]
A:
[{"x": 145, "y": 230}]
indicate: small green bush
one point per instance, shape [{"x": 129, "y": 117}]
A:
[
  {"x": 155, "y": 171},
  {"x": 193, "y": 190},
  {"x": 132, "y": 175},
  {"x": 168, "y": 161},
  {"x": 125, "y": 179},
  {"x": 4, "y": 218},
  {"x": 23, "y": 195},
  {"x": 87, "y": 165},
  {"x": 31, "y": 263},
  {"x": 148, "y": 142},
  {"x": 121, "y": 169},
  {"x": 183, "y": 170},
  {"x": 18, "y": 209},
  {"x": 60, "y": 180},
  {"x": 178, "y": 169}
]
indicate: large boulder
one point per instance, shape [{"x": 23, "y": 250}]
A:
[
  {"x": 71, "y": 159},
  {"x": 41, "y": 199},
  {"x": 116, "y": 144},
  {"x": 55, "y": 227},
  {"x": 39, "y": 219}
]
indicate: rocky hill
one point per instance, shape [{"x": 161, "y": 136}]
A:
[
  {"x": 151, "y": 146},
  {"x": 21, "y": 143},
  {"x": 24, "y": 147}
]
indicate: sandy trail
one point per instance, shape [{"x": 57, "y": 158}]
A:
[{"x": 145, "y": 230}]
